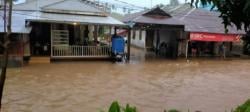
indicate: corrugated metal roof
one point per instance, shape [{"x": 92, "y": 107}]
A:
[
  {"x": 65, "y": 11},
  {"x": 200, "y": 20},
  {"x": 141, "y": 18},
  {"x": 195, "y": 20},
  {"x": 73, "y": 7},
  {"x": 68, "y": 18},
  {"x": 165, "y": 21},
  {"x": 18, "y": 22},
  {"x": 34, "y": 5}
]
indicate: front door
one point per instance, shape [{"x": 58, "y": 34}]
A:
[{"x": 150, "y": 39}]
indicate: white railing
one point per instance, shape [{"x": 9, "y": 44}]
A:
[{"x": 66, "y": 51}]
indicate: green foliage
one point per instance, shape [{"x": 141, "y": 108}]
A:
[
  {"x": 244, "y": 107},
  {"x": 173, "y": 110},
  {"x": 115, "y": 107},
  {"x": 129, "y": 109},
  {"x": 235, "y": 12}
]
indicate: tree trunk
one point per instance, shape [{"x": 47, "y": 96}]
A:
[{"x": 6, "y": 47}]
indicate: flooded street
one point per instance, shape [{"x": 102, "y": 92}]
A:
[{"x": 152, "y": 86}]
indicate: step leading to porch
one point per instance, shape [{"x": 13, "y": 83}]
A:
[{"x": 35, "y": 60}]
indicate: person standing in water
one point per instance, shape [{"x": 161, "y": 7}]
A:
[{"x": 222, "y": 50}]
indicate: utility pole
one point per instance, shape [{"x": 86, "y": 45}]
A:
[{"x": 7, "y": 4}]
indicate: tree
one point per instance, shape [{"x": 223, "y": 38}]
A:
[
  {"x": 233, "y": 12},
  {"x": 7, "y": 23}
]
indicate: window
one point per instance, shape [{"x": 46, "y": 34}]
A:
[{"x": 140, "y": 35}]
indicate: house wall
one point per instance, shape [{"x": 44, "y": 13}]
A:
[
  {"x": 182, "y": 48},
  {"x": 171, "y": 37},
  {"x": 138, "y": 38}
]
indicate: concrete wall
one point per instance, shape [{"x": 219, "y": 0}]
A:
[
  {"x": 165, "y": 36},
  {"x": 137, "y": 41}
]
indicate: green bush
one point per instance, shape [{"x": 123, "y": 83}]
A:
[
  {"x": 173, "y": 110},
  {"x": 129, "y": 109},
  {"x": 115, "y": 107},
  {"x": 244, "y": 107}
]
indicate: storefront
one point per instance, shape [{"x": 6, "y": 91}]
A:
[{"x": 211, "y": 44}]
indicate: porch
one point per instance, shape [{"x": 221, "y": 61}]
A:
[
  {"x": 81, "y": 41},
  {"x": 83, "y": 36}
]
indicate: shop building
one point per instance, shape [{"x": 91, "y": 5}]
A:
[{"x": 195, "y": 32}]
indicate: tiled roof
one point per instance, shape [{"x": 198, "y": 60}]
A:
[
  {"x": 195, "y": 20},
  {"x": 140, "y": 17},
  {"x": 200, "y": 20}
]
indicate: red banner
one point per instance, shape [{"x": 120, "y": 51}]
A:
[{"x": 214, "y": 37}]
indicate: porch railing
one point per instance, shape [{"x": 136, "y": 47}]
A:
[{"x": 67, "y": 51}]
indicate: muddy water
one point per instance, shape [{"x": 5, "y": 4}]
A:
[{"x": 152, "y": 86}]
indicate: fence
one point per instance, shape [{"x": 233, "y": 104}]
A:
[{"x": 64, "y": 51}]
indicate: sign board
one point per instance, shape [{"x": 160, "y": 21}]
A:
[{"x": 214, "y": 37}]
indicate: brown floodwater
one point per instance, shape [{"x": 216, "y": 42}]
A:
[{"x": 210, "y": 85}]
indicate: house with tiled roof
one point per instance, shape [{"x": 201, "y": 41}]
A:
[
  {"x": 154, "y": 29},
  {"x": 202, "y": 30},
  {"x": 61, "y": 29}
]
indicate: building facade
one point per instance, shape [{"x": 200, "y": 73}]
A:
[
  {"x": 61, "y": 29},
  {"x": 194, "y": 21}
]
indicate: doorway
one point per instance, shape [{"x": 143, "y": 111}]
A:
[
  {"x": 150, "y": 40},
  {"x": 40, "y": 39}
]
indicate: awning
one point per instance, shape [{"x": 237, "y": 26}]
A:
[{"x": 214, "y": 37}]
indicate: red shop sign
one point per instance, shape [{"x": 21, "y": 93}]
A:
[{"x": 214, "y": 37}]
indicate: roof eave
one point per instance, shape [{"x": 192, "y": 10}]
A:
[
  {"x": 73, "y": 12},
  {"x": 71, "y": 22}
]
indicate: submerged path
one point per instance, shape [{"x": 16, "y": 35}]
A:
[{"x": 152, "y": 86}]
